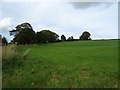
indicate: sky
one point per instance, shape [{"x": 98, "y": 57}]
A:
[{"x": 68, "y": 18}]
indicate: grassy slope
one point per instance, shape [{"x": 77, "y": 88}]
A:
[{"x": 84, "y": 64}]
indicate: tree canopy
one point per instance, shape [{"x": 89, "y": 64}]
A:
[
  {"x": 70, "y": 38},
  {"x": 85, "y": 36},
  {"x": 45, "y": 36},
  {"x": 63, "y": 38},
  {"x": 23, "y": 34}
]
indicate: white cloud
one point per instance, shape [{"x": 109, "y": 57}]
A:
[
  {"x": 5, "y": 24},
  {"x": 63, "y": 18}
]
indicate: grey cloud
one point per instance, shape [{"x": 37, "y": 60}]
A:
[
  {"x": 85, "y": 5},
  {"x": 5, "y": 29}
]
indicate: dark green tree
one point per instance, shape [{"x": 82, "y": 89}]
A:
[
  {"x": 85, "y": 36},
  {"x": 23, "y": 34},
  {"x": 4, "y": 41},
  {"x": 45, "y": 36},
  {"x": 70, "y": 38},
  {"x": 63, "y": 38}
]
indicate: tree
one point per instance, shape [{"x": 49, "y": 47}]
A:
[
  {"x": 63, "y": 38},
  {"x": 85, "y": 36},
  {"x": 23, "y": 34},
  {"x": 4, "y": 41},
  {"x": 45, "y": 36},
  {"x": 25, "y": 37},
  {"x": 70, "y": 38}
]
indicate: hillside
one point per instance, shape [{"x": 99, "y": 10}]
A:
[{"x": 79, "y": 64}]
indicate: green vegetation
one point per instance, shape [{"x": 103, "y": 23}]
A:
[
  {"x": 4, "y": 41},
  {"x": 80, "y": 64},
  {"x": 24, "y": 34},
  {"x": 85, "y": 36},
  {"x": 10, "y": 58},
  {"x": 63, "y": 38},
  {"x": 46, "y": 36}
]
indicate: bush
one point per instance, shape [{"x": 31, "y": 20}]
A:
[{"x": 10, "y": 56}]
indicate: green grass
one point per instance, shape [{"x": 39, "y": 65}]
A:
[{"x": 80, "y": 64}]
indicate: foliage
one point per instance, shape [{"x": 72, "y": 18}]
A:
[
  {"x": 70, "y": 38},
  {"x": 4, "y": 41},
  {"x": 46, "y": 36},
  {"x": 23, "y": 34},
  {"x": 63, "y": 38},
  {"x": 85, "y": 36},
  {"x": 10, "y": 57},
  {"x": 20, "y": 28}
]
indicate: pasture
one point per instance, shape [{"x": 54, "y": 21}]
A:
[{"x": 78, "y": 64}]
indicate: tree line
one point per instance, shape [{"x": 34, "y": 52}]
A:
[{"x": 24, "y": 34}]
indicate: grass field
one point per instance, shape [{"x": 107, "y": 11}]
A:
[{"x": 80, "y": 64}]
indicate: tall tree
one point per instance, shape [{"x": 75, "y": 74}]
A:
[
  {"x": 85, "y": 36},
  {"x": 23, "y": 34},
  {"x": 45, "y": 36},
  {"x": 63, "y": 38}
]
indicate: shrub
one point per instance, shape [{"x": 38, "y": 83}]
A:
[{"x": 10, "y": 56}]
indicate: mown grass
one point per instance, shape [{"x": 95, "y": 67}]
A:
[{"x": 80, "y": 64}]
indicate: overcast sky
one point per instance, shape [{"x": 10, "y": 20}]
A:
[{"x": 68, "y": 18}]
